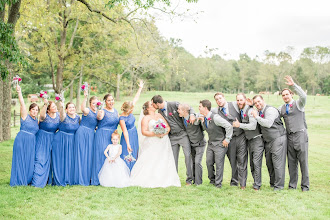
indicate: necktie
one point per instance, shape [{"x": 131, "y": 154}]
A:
[
  {"x": 205, "y": 121},
  {"x": 224, "y": 110},
  {"x": 242, "y": 115},
  {"x": 185, "y": 122},
  {"x": 260, "y": 113},
  {"x": 163, "y": 109},
  {"x": 287, "y": 109}
]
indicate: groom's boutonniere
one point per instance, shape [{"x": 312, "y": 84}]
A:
[{"x": 170, "y": 114}]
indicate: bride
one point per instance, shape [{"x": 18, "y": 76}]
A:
[{"x": 155, "y": 166}]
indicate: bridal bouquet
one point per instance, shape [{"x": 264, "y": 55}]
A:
[
  {"x": 16, "y": 80},
  {"x": 160, "y": 127},
  {"x": 43, "y": 94},
  {"x": 99, "y": 105},
  {"x": 129, "y": 157},
  {"x": 84, "y": 86},
  {"x": 59, "y": 98}
]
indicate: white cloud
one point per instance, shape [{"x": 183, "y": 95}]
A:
[{"x": 251, "y": 27}]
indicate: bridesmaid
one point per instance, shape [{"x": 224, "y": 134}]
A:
[
  {"x": 62, "y": 152},
  {"x": 84, "y": 139},
  {"x": 24, "y": 144},
  {"x": 108, "y": 120},
  {"x": 48, "y": 124},
  {"x": 129, "y": 138}
]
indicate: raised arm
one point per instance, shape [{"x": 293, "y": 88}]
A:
[
  {"x": 100, "y": 114},
  {"x": 301, "y": 102},
  {"x": 138, "y": 93},
  {"x": 125, "y": 132},
  {"x": 43, "y": 110},
  {"x": 83, "y": 108},
  {"x": 22, "y": 103},
  {"x": 62, "y": 111}
]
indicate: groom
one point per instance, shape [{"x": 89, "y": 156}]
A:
[{"x": 178, "y": 134}]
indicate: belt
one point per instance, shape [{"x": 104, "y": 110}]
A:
[
  {"x": 66, "y": 133},
  {"x": 27, "y": 132}
]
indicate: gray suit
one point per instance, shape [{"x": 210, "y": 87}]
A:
[
  {"x": 178, "y": 136},
  {"x": 254, "y": 142},
  {"x": 237, "y": 150},
  {"x": 274, "y": 135},
  {"x": 198, "y": 143},
  {"x": 296, "y": 128},
  {"x": 218, "y": 130}
]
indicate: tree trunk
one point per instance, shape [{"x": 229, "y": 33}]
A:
[
  {"x": 1, "y": 108},
  {"x": 118, "y": 86},
  {"x": 79, "y": 85},
  {"x": 13, "y": 16},
  {"x": 71, "y": 92},
  {"x": 6, "y": 106}
]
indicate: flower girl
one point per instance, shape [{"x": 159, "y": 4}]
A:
[{"x": 114, "y": 172}]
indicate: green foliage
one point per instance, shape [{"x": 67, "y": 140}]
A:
[{"x": 9, "y": 50}]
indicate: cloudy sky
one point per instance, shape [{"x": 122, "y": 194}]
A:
[{"x": 249, "y": 26}]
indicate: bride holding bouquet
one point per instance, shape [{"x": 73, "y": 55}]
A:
[{"x": 155, "y": 166}]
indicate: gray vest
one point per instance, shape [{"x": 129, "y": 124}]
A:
[
  {"x": 295, "y": 120},
  {"x": 275, "y": 131},
  {"x": 249, "y": 134},
  {"x": 232, "y": 117},
  {"x": 174, "y": 120},
  {"x": 195, "y": 132},
  {"x": 216, "y": 133}
]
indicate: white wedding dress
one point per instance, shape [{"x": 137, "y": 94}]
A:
[{"x": 155, "y": 166}]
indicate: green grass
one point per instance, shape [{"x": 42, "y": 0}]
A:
[{"x": 188, "y": 202}]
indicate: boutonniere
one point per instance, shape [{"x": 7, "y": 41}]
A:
[
  {"x": 262, "y": 115},
  {"x": 244, "y": 116},
  {"x": 291, "y": 106},
  {"x": 209, "y": 119},
  {"x": 170, "y": 114},
  {"x": 226, "y": 115},
  {"x": 188, "y": 121}
]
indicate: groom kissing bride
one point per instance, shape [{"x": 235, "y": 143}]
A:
[{"x": 178, "y": 134}]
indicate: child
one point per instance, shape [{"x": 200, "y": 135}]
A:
[{"x": 114, "y": 172}]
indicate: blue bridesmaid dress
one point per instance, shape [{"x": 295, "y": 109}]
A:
[
  {"x": 133, "y": 139},
  {"x": 45, "y": 137},
  {"x": 102, "y": 139},
  {"x": 24, "y": 152},
  {"x": 83, "y": 149},
  {"x": 62, "y": 152}
]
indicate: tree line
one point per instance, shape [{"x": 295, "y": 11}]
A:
[{"x": 111, "y": 45}]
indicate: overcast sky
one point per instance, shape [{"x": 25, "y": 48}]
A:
[{"x": 250, "y": 26}]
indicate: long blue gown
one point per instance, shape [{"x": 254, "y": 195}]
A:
[
  {"x": 62, "y": 152},
  {"x": 133, "y": 139},
  {"x": 24, "y": 152},
  {"x": 102, "y": 139},
  {"x": 83, "y": 149},
  {"x": 45, "y": 137}
]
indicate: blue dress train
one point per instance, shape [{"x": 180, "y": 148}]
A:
[
  {"x": 24, "y": 152},
  {"x": 83, "y": 149},
  {"x": 45, "y": 137},
  {"x": 102, "y": 139},
  {"x": 62, "y": 152},
  {"x": 133, "y": 139}
]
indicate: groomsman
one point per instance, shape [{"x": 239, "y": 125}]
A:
[
  {"x": 178, "y": 134},
  {"x": 220, "y": 132},
  {"x": 293, "y": 113},
  {"x": 197, "y": 142},
  {"x": 274, "y": 135},
  {"x": 237, "y": 150},
  {"x": 254, "y": 138}
]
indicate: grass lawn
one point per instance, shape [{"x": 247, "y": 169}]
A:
[{"x": 188, "y": 202}]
